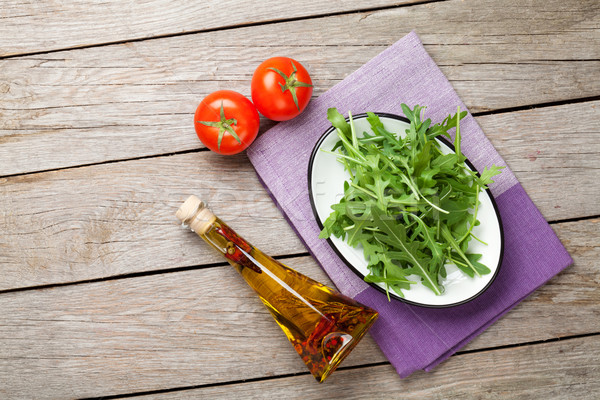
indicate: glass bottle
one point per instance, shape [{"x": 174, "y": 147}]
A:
[{"x": 322, "y": 324}]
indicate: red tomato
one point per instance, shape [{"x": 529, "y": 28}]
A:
[
  {"x": 281, "y": 88},
  {"x": 226, "y": 122}
]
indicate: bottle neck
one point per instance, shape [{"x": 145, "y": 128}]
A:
[
  {"x": 215, "y": 232},
  {"x": 194, "y": 213}
]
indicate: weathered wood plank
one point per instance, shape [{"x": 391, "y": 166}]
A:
[
  {"x": 118, "y": 218},
  {"x": 560, "y": 370},
  {"x": 554, "y": 156},
  {"x": 578, "y": 286},
  {"x": 51, "y": 25},
  {"x": 138, "y": 99},
  {"x": 204, "y": 326}
]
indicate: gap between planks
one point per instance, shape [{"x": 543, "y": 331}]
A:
[
  {"x": 223, "y": 28},
  {"x": 340, "y": 369},
  {"x": 140, "y": 274},
  {"x": 160, "y": 81},
  {"x": 135, "y": 325},
  {"x": 196, "y": 267},
  {"x": 536, "y": 106},
  {"x": 122, "y": 209},
  {"x": 507, "y": 110}
]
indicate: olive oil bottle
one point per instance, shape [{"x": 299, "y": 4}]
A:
[{"x": 322, "y": 324}]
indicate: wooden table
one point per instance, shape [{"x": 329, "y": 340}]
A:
[{"x": 102, "y": 294}]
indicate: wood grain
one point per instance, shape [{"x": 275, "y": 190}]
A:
[
  {"x": 118, "y": 218},
  {"x": 112, "y": 219},
  {"x": 50, "y": 25},
  {"x": 137, "y": 99},
  {"x": 553, "y": 152},
  {"x": 182, "y": 319},
  {"x": 557, "y": 370},
  {"x": 205, "y": 326}
]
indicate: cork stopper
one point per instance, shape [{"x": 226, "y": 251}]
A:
[{"x": 193, "y": 213}]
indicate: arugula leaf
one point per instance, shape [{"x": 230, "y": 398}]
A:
[
  {"x": 396, "y": 234},
  {"x": 488, "y": 173},
  {"x": 455, "y": 246},
  {"x": 338, "y": 121}
]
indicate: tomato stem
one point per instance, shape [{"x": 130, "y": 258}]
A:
[
  {"x": 224, "y": 125},
  {"x": 291, "y": 82}
]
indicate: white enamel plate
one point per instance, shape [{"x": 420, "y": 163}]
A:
[{"x": 326, "y": 177}]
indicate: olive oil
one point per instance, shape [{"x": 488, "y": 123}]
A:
[{"x": 322, "y": 324}]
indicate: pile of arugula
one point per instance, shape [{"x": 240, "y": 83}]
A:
[{"x": 411, "y": 207}]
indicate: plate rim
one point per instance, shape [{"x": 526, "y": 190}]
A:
[{"x": 349, "y": 264}]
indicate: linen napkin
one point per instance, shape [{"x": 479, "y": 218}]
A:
[{"x": 411, "y": 337}]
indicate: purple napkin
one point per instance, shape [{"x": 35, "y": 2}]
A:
[{"x": 411, "y": 337}]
